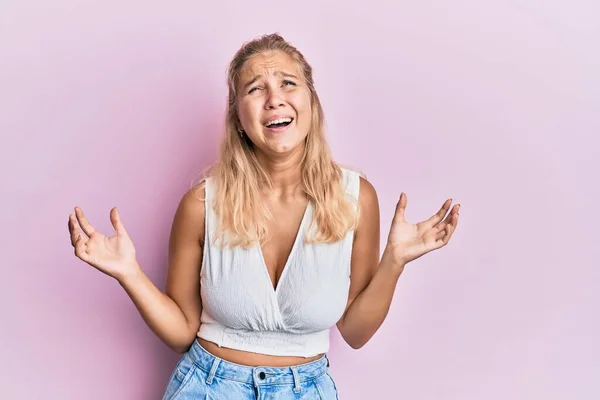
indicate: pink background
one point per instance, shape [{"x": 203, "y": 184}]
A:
[{"x": 120, "y": 103}]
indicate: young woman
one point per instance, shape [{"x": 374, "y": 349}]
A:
[{"x": 273, "y": 248}]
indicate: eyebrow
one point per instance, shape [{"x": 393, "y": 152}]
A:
[{"x": 257, "y": 77}]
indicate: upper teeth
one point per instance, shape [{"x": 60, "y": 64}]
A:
[{"x": 279, "y": 121}]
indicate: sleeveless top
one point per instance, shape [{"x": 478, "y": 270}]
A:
[{"x": 241, "y": 309}]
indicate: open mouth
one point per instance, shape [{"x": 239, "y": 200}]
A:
[{"x": 279, "y": 123}]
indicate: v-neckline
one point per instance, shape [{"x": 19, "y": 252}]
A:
[{"x": 289, "y": 257}]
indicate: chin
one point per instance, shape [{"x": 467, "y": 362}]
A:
[
  {"x": 285, "y": 148},
  {"x": 285, "y": 145},
  {"x": 282, "y": 149}
]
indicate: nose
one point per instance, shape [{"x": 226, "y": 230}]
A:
[{"x": 274, "y": 100}]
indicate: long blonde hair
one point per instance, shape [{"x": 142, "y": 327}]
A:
[{"x": 238, "y": 177}]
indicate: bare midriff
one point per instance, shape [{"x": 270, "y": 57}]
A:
[{"x": 254, "y": 359}]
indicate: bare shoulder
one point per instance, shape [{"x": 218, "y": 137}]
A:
[
  {"x": 187, "y": 230},
  {"x": 367, "y": 197},
  {"x": 194, "y": 198},
  {"x": 190, "y": 212}
]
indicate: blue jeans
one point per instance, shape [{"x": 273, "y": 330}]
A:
[{"x": 201, "y": 375}]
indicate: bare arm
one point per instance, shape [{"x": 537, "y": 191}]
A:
[
  {"x": 373, "y": 283},
  {"x": 174, "y": 316}
]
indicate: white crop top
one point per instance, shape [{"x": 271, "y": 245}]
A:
[{"x": 241, "y": 309}]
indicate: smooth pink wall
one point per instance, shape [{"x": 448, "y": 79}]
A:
[{"x": 120, "y": 103}]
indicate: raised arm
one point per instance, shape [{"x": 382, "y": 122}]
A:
[{"x": 173, "y": 316}]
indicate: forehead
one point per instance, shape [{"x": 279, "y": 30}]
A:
[{"x": 269, "y": 63}]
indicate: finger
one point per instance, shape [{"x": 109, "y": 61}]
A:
[
  {"x": 441, "y": 226},
  {"x": 440, "y": 236},
  {"x": 115, "y": 219},
  {"x": 452, "y": 225},
  {"x": 454, "y": 210},
  {"x": 74, "y": 230},
  {"x": 452, "y": 217},
  {"x": 401, "y": 207},
  {"x": 445, "y": 234},
  {"x": 439, "y": 216},
  {"x": 87, "y": 228},
  {"x": 80, "y": 245}
]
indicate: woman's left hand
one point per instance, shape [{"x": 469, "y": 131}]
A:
[{"x": 407, "y": 242}]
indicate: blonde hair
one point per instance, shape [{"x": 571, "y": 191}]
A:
[{"x": 238, "y": 177}]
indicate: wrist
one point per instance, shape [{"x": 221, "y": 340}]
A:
[
  {"x": 129, "y": 274},
  {"x": 391, "y": 262}
]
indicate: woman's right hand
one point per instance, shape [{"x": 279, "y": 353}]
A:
[{"x": 114, "y": 255}]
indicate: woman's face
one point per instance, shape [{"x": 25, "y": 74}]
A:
[{"x": 274, "y": 103}]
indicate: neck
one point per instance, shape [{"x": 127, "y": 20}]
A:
[{"x": 285, "y": 173}]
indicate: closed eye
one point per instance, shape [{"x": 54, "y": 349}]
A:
[
  {"x": 285, "y": 83},
  {"x": 253, "y": 89}
]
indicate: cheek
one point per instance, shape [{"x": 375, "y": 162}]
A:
[
  {"x": 246, "y": 111},
  {"x": 302, "y": 104},
  {"x": 307, "y": 113}
]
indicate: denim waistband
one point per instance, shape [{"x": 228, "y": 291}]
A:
[{"x": 216, "y": 366}]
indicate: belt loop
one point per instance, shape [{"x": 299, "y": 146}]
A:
[
  {"x": 296, "y": 380},
  {"x": 213, "y": 369},
  {"x": 327, "y": 358}
]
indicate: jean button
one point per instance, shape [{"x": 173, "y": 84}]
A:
[{"x": 262, "y": 375}]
